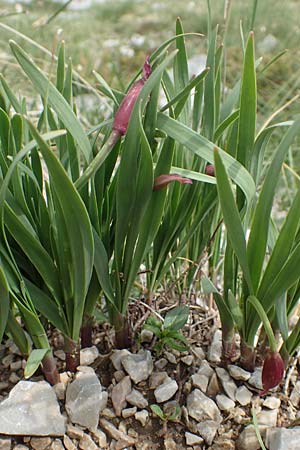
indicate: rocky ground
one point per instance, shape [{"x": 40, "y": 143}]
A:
[{"x": 108, "y": 403}]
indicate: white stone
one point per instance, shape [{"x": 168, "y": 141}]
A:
[
  {"x": 31, "y": 410},
  {"x": 283, "y": 438},
  {"x": 135, "y": 398},
  {"x": 192, "y": 439},
  {"x": 201, "y": 407},
  {"x": 68, "y": 443},
  {"x": 117, "y": 356},
  {"x": 83, "y": 400},
  {"x": 267, "y": 418},
  {"x": 255, "y": 379},
  {"x": 100, "y": 437},
  {"x": 88, "y": 355},
  {"x": 208, "y": 429},
  {"x": 295, "y": 395},
  {"x": 119, "y": 393},
  {"x": 40, "y": 443},
  {"x": 247, "y": 440},
  {"x": 200, "y": 381},
  {"x": 166, "y": 390},
  {"x": 238, "y": 373},
  {"x": 128, "y": 412},
  {"x": 243, "y": 395},
  {"x": 142, "y": 417},
  {"x": 215, "y": 349},
  {"x": 138, "y": 366},
  {"x": 146, "y": 336},
  {"x": 227, "y": 382},
  {"x": 205, "y": 369},
  {"x": 5, "y": 443},
  {"x": 272, "y": 403},
  {"x": 225, "y": 403},
  {"x": 187, "y": 360},
  {"x": 87, "y": 443}
]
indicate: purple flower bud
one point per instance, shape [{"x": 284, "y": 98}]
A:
[
  {"x": 210, "y": 170},
  {"x": 124, "y": 111},
  {"x": 273, "y": 370},
  {"x": 163, "y": 180}
]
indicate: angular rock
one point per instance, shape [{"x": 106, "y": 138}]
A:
[
  {"x": 225, "y": 403},
  {"x": 119, "y": 393},
  {"x": 283, "y": 438},
  {"x": 135, "y": 398},
  {"x": 115, "y": 433},
  {"x": 103, "y": 400},
  {"x": 157, "y": 378},
  {"x": 213, "y": 387},
  {"x": 295, "y": 395},
  {"x": 202, "y": 408},
  {"x": 247, "y": 440},
  {"x": 117, "y": 356},
  {"x": 74, "y": 432},
  {"x": 83, "y": 400},
  {"x": 142, "y": 417},
  {"x": 199, "y": 353},
  {"x": 272, "y": 403},
  {"x": 40, "y": 443},
  {"x": 88, "y": 355},
  {"x": 227, "y": 382},
  {"x": 267, "y": 418},
  {"x": 57, "y": 445},
  {"x": 243, "y": 395},
  {"x": 161, "y": 363},
  {"x": 200, "y": 381},
  {"x": 215, "y": 349},
  {"x": 100, "y": 438},
  {"x": 208, "y": 429},
  {"x": 5, "y": 443},
  {"x": 21, "y": 447},
  {"x": 238, "y": 373},
  {"x": 170, "y": 444},
  {"x": 255, "y": 379},
  {"x": 170, "y": 357},
  {"x": 138, "y": 366},
  {"x": 192, "y": 439},
  {"x": 68, "y": 443},
  {"x": 146, "y": 336},
  {"x": 205, "y": 369},
  {"x": 31, "y": 410},
  {"x": 60, "y": 390},
  {"x": 187, "y": 360},
  {"x": 128, "y": 412},
  {"x": 87, "y": 443},
  {"x": 166, "y": 390}
]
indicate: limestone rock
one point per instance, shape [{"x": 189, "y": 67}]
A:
[
  {"x": 68, "y": 443},
  {"x": 88, "y": 355},
  {"x": 213, "y": 387},
  {"x": 100, "y": 437},
  {"x": 5, "y": 443},
  {"x": 57, "y": 445},
  {"x": 192, "y": 439},
  {"x": 156, "y": 379},
  {"x": 83, "y": 400},
  {"x": 295, "y": 395},
  {"x": 135, "y": 398},
  {"x": 202, "y": 408},
  {"x": 200, "y": 381},
  {"x": 205, "y": 369},
  {"x": 115, "y": 433},
  {"x": 255, "y": 379},
  {"x": 142, "y": 417},
  {"x": 272, "y": 403},
  {"x": 146, "y": 336},
  {"x": 170, "y": 357},
  {"x": 238, "y": 373},
  {"x": 74, "y": 432},
  {"x": 40, "y": 443},
  {"x": 117, "y": 356},
  {"x": 166, "y": 390},
  {"x": 31, "y": 410},
  {"x": 225, "y": 403},
  {"x": 138, "y": 366},
  {"x": 87, "y": 443},
  {"x": 187, "y": 360},
  {"x": 283, "y": 438},
  {"x": 227, "y": 382},
  {"x": 247, "y": 440},
  {"x": 215, "y": 349},
  {"x": 243, "y": 395},
  {"x": 170, "y": 444},
  {"x": 119, "y": 393},
  {"x": 208, "y": 429},
  {"x": 128, "y": 412},
  {"x": 267, "y": 418}
]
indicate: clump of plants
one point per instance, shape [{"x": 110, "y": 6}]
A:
[{"x": 156, "y": 183}]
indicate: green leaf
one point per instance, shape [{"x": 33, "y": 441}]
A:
[
  {"x": 55, "y": 99},
  {"x": 264, "y": 318},
  {"x": 177, "y": 317},
  {"x": 235, "y": 310},
  {"x": 158, "y": 411},
  {"x": 205, "y": 149},
  {"x": 4, "y": 303},
  {"x": 232, "y": 218},
  {"x": 34, "y": 360}
]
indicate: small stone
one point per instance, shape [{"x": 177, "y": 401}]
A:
[
  {"x": 20, "y": 447},
  {"x": 7, "y": 360},
  {"x": 135, "y": 398},
  {"x": 192, "y": 439},
  {"x": 119, "y": 375},
  {"x": 205, "y": 369},
  {"x": 295, "y": 395},
  {"x": 68, "y": 443},
  {"x": 208, "y": 429},
  {"x": 200, "y": 381},
  {"x": 31, "y": 409},
  {"x": 108, "y": 413},
  {"x": 100, "y": 438},
  {"x": 138, "y": 366},
  {"x": 272, "y": 403},
  {"x": 161, "y": 363},
  {"x": 170, "y": 357},
  {"x": 223, "y": 444},
  {"x": 16, "y": 365},
  {"x": 3, "y": 385},
  {"x": 14, "y": 378},
  {"x": 40, "y": 443},
  {"x": 142, "y": 417},
  {"x": 215, "y": 349},
  {"x": 85, "y": 369},
  {"x": 187, "y": 360},
  {"x": 57, "y": 445},
  {"x": 202, "y": 408},
  {"x": 119, "y": 393},
  {"x": 146, "y": 336},
  {"x": 213, "y": 387},
  {"x": 83, "y": 400},
  {"x": 255, "y": 379},
  {"x": 267, "y": 418},
  {"x": 103, "y": 400},
  {"x": 74, "y": 432},
  {"x": 227, "y": 382},
  {"x": 247, "y": 440},
  {"x": 117, "y": 356},
  {"x": 5, "y": 443},
  {"x": 243, "y": 395},
  {"x": 170, "y": 444},
  {"x": 156, "y": 379},
  {"x": 199, "y": 353},
  {"x": 60, "y": 390},
  {"x": 88, "y": 355},
  {"x": 115, "y": 433},
  {"x": 166, "y": 390},
  {"x": 128, "y": 412},
  {"x": 65, "y": 377},
  {"x": 238, "y": 373},
  {"x": 283, "y": 438},
  {"x": 225, "y": 403},
  {"x": 87, "y": 443}
]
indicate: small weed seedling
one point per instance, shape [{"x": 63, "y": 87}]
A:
[{"x": 165, "y": 417}]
